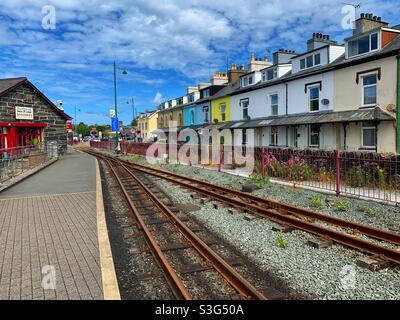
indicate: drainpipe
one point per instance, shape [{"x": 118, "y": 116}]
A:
[{"x": 398, "y": 106}]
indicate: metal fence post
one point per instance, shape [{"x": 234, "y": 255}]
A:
[
  {"x": 262, "y": 162},
  {"x": 338, "y": 182}
]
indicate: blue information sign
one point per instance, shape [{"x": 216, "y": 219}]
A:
[{"x": 114, "y": 124}]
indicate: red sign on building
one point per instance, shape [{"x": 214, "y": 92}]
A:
[{"x": 69, "y": 125}]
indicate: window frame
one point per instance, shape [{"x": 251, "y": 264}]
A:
[
  {"x": 309, "y": 88},
  {"x": 247, "y": 107},
  {"x": 368, "y": 86},
  {"x": 274, "y": 137},
  {"x": 222, "y": 106},
  {"x": 206, "y": 110},
  {"x": 192, "y": 117},
  {"x": 369, "y": 127},
  {"x": 369, "y": 42},
  {"x": 310, "y": 133},
  {"x": 277, "y": 104}
]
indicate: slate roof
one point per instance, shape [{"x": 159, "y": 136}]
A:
[{"x": 7, "y": 85}]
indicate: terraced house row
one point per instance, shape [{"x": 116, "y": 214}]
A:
[{"x": 333, "y": 96}]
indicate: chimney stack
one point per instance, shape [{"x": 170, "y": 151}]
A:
[
  {"x": 319, "y": 40},
  {"x": 368, "y": 22},
  {"x": 235, "y": 73},
  {"x": 283, "y": 56}
]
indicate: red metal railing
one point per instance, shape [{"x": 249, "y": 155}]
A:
[{"x": 362, "y": 174}]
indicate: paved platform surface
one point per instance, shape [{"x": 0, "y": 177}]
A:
[{"x": 48, "y": 234}]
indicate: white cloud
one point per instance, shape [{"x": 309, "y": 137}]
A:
[
  {"x": 158, "y": 98},
  {"x": 191, "y": 37}
]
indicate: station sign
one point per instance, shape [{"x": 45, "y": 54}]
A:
[
  {"x": 114, "y": 124},
  {"x": 23, "y": 113}
]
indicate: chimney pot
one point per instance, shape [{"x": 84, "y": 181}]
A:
[
  {"x": 362, "y": 15},
  {"x": 252, "y": 56},
  {"x": 379, "y": 19}
]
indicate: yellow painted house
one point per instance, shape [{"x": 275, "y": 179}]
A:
[
  {"x": 221, "y": 111},
  {"x": 146, "y": 124}
]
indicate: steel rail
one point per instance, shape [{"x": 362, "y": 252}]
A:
[
  {"x": 240, "y": 284},
  {"x": 369, "y": 231},
  {"x": 176, "y": 285},
  {"x": 226, "y": 197}
]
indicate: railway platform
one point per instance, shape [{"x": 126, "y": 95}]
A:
[{"x": 53, "y": 238}]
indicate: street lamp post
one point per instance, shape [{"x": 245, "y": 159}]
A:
[
  {"x": 133, "y": 108},
  {"x": 76, "y": 132},
  {"x": 117, "y": 145}
]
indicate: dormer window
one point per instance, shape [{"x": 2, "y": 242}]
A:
[
  {"x": 269, "y": 74},
  {"x": 310, "y": 61},
  {"x": 363, "y": 45},
  {"x": 191, "y": 98},
  {"x": 206, "y": 93},
  {"x": 247, "y": 81}
]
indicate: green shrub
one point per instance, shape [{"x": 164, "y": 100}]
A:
[
  {"x": 343, "y": 205},
  {"x": 381, "y": 176},
  {"x": 362, "y": 207},
  {"x": 357, "y": 178},
  {"x": 372, "y": 212},
  {"x": 316, "y": 201},
  {"x": 281, "y": 241},
  {"x": 259, "y": 180}
]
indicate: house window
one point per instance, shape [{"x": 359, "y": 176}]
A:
[
  {"x": 310, "y": 61},
  {"x": 205, "y": 113},
  {"x": 192, "y": 117},
  {"x": 274, "y": 105},
  {"x": 369, "y": 89},
  {"x": 206, "y": 93},
  {"x": 245, "y": 82},
  {"x": 245, "y": 108},
  {"x": 317, "y": 59},
  {"x": 314, "y": 136},
  {"x": 363, "y": 45},
  {"x": 250, "y": 80},
  {"x": 274, "y": 136},
  {"x": 313, "y": 95},
  {"x": 270, "y": 74},
  {"x": 244, "y": 137},
  {"x": 223, "y": 111},
  {"x": 191, "y": 98},
  {"x": 368, "y": 135}
]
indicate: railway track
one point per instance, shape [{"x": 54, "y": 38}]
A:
[
  {"x": 282, "y": 213},
  {"x": 162, "y": 227}
]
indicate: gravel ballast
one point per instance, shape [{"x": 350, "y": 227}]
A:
[{"x": 326, "y": 274}]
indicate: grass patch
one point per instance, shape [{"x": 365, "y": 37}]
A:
[
  {"x": 281, "y": 241},
  {"x": 316, "y": 201}
]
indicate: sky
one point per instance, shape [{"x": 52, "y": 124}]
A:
[{"x": 67, "y": 47}]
